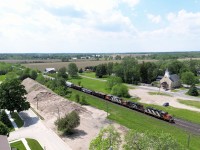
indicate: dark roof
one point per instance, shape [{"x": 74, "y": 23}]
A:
[
  {"x": 174, "y": 77},
  {"x": 4, "y": 145}
]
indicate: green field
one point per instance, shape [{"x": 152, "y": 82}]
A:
[
  {"x": 138, "y": 121},
  {"x": 33, "y": 144},
  {"x": 91, "y": 84},
  {"x": 190, "y": 103},
  {"x": 17, "y": 119},
  {"x": 19, "y": 145}
]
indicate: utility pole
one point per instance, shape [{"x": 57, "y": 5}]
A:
[
  {"x": 58, "y": 113},
  {"x": 37, "y": 102},
  {"x": 188, "y": 140}
]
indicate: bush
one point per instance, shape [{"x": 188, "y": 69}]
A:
[
  {"x": 120, "y": 90},
  {"x": 193, "y": 91},
  {"x": 4, "y": 119},
  {"x": 68, "y": 123},
  {"x": 3, "y": 129},
  {"x": 77, "y": 98},
  {"x": 83, "y": 101}
]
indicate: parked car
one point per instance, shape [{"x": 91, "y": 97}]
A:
[{"x": 166, "y": 104}]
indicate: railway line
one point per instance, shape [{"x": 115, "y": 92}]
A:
[{"x": 153, "y": 113}]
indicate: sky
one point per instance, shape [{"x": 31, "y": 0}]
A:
[{"x": 99, "y": 26}]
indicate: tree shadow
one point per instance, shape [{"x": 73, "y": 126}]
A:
[
  {"x": 28, "y": 121},
  {"x": 76, "y": 133}
]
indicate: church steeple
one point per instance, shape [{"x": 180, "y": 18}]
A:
[{"x": 167, "y": 73}]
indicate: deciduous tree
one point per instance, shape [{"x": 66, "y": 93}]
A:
[
  {"x": 68, "y": 123},
  {"x": 12, "y": 96},
  {"x": 106, "y": 139},
  {"x": 72, "y": 70}
]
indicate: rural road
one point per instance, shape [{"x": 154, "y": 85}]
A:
[{"x": 35, "y": 129}]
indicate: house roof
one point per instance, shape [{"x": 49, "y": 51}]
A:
[
  {"x": 50, "y": 69},
  {"x": 4, "y": 145},
  {"x": 174, "y": 77}
]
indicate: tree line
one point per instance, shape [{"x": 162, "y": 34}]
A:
[{"x": 133, "y": 72}]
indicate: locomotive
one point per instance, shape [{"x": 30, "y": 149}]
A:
[{"x": 131, "y": 105}]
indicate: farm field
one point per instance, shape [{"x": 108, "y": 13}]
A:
[
  {"x": 137, "y": 121},
  {"x": 57, "y": 65},
  {"x": 80, "y": 64}
]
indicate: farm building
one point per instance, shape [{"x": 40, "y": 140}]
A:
[
  {"x": 50, "y": 70},
  {"x": 169, "y": 82},
  {"x": 4, "y": 145}
]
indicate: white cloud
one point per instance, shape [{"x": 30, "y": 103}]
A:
[
  {"x": 154, "y": 18},
  {"x": 131, "y": 3}
]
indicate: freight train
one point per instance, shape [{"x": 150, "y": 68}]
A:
[{"x": 132, "y": 105}]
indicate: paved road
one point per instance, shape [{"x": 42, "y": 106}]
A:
[{"x": 34, "y": 128}]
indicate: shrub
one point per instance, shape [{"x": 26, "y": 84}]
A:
[
  {"x": 193, "y": 91},
  {"x": 4, "y": 119},
  {"x": 68, "y": 123},
  {"x": 3, "y": 129},
  {"x": 120, "y": 90}
]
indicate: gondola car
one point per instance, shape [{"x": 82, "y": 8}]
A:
[
  {"x": 99, "y": 94},
  {"x": 76, "y": 87}
]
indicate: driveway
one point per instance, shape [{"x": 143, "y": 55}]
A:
[{"x": 35, "y": 129}]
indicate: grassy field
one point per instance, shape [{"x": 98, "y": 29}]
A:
[
  {"x": 33, "y": 144},
  {"x": 2, "y": 77},
  {"x": 91, "y": 84},
  {"x": 17, "y": 119},
  {"x": 138, "y": 121},
  {"x": 159, "y": 93},
  {"x": 190, "y": 103},
  {"x": 19, "y": 145}
]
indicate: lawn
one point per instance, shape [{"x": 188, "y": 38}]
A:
[
  {"x": 139, "y": 121},
  {"x": 2, "y": 77},
  {"x": 33, "y": 144},
  {"x": 91, "y": 84},
  {"x": 190, "y": 103},
  {"x": 159, "y": 93},
  {"x": 17, "y": 119},
  {"x": 19, "y": 145},
  {"x": 93, "y": 75}
]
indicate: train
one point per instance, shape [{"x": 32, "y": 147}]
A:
[{"x": 160, "y": 114}]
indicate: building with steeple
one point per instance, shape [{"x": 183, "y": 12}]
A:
[{"x": 169, "y": 82}]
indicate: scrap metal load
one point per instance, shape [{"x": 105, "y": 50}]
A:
[{"x": 132, "y": 105}]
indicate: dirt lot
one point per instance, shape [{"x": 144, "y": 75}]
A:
[
  {"x": 159, "y": 99},
  {"x": 51, "y": 105}
]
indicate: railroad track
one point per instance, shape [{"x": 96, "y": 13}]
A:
[{"x": 188, "y": 126}]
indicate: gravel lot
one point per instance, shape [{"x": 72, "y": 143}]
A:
[
  {"x": 49, "y": 104},
  {"x": 160, "y": 99}
]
